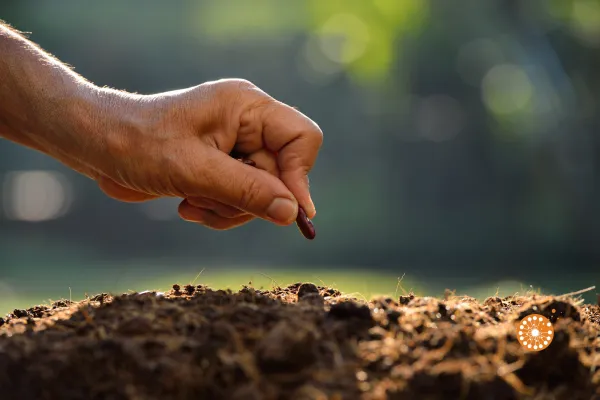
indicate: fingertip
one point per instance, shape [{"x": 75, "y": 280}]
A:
[
  {"x": 310, "y": 209},
  {"x": 309, "y": 206},
  {"x": 282, "y": 211},
  {"x": 252, "y": 190},
  {"x": 188, "y": 212},
  {"x": 297, "y": 182}
]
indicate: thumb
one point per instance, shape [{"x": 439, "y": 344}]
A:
[{"x": 249, "y": 189}]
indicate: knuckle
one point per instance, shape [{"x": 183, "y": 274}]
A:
[
  {"x": 233, "y": 85},
  {"x": 309, "y": 129},
  {"x": 295, "y": 163},
  {"x": 243, "y": 83},
  {"x": 239, "y": 83},
  {"x": 238, "y": 96},
  {"x": 316, "y": 134},
  {"x": 320, "y": 136}
]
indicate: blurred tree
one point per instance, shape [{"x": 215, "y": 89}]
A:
[{"x": 454, "y": 136}]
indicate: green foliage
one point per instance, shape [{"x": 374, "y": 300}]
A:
[
  {"x": 359, "y": 35},
  {"x": 516, "y": 183}
]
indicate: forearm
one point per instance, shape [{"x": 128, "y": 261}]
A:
[{"x": 47, "y": 106}]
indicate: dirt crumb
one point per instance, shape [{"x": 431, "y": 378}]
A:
[{"x": 307, "y": 288}]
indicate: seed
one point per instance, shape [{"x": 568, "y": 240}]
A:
[{"x": 305, "y": 225}]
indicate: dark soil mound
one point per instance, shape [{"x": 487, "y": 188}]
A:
[{"x": 299, "y": 342}]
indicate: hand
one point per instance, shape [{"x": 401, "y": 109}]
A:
[
  {"x": 181, "y": 143},
  {"x": 177, "y": 144}
]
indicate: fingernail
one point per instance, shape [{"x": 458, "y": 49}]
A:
[{"x": 282, "y": 210}]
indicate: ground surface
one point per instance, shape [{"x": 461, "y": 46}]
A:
[{"x": 298, "y": 342}]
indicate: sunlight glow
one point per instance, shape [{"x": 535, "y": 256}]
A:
[
  {"x": 36, "y": 196},
  {"x": 506, "y": 89}
]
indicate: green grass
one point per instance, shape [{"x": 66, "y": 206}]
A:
[
  {"x": 361, "y": 284},
  {"x": 42, "y": 288}
]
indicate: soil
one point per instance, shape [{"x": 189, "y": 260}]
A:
[{"x": 298, "y": 342}]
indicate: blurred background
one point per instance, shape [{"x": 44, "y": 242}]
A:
[{"x": 461, "y": 147}]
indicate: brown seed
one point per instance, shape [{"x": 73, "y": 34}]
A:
[{"x": 305, "y": 225}]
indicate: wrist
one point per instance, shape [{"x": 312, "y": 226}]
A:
[{"x": 46, "y": 106}]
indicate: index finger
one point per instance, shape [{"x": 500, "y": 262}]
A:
[{"x": 296, "y": 139}]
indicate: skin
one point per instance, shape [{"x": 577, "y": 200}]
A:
[{"x": 174, "y": 144}]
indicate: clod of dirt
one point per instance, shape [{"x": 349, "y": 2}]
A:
[
  {"x": 312, "y": 298},
  {"x": 404, "y": 300},
  {"x": 61, "y": 304},
  {"x": 295, "y": 342},
  {"x": 20, "y": 313},
  {"x": 307, "y": 288},
  {"x": 558, "y": 363},
  {"x": 330, "y": 292},
  {"x": 350, "y": 310},
  {"x": 190, "y": 289},
  {"x": 288, "y": 347},
  {"x": 552, "y": 309}
]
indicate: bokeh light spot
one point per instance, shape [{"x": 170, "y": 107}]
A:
[
  {"x": 314, "y": 66},
  {"x": 585, "y": 21},
  {"x": 506, "y": 89},
  {"x": 36, "y": 196},
  {"x": 344, "y": 38}
]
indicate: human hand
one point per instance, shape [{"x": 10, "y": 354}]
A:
[
  {"x": 140, "y": 147},
  {"x": 179, "y": 144}
]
